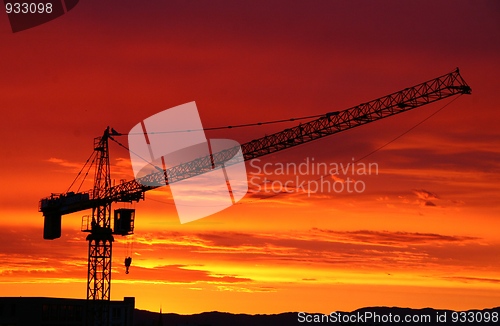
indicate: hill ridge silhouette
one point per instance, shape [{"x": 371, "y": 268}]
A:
[{"x": 216, "y": 318}]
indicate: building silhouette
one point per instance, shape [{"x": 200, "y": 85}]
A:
[
  {"x": 160, "y": 319},
  {"x": 41, "y": 311}
]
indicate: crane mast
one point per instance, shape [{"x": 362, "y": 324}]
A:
[
  {"x": 99, "y": 225},
  {"x": 100, "y": 238}
]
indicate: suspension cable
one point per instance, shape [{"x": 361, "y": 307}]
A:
[
  {"x": 367, "y": 155},
  {"x": 227, "y": 127},
  {"x": 79, "y": 173},
  {"x": 407, "y": 131},
  {"x": 139, "y": 156},
  {"x": 362, "y": 158},
  {"x": 87, "y": 173},
  {"x": 322, "y": 177}
]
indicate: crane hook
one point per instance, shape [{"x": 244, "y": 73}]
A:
[{"x": 128, "y": 261}]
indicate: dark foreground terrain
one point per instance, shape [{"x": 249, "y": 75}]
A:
[{"x": 364, "y": 316}]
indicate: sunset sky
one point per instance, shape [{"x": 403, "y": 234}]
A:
[{"x": 423, "y": 233}]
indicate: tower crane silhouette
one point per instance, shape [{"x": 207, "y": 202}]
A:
[{"x": 101, "y": 229}]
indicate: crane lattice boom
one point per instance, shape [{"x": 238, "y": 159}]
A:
[{"x": 331, "y": 123}]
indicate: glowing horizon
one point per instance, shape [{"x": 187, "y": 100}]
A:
[{"x": 422, "y": 233}]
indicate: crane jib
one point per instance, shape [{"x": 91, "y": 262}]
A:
[{"x": 331, "y": 123}]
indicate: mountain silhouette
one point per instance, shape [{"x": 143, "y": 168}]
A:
[{"x": 379, "y": 316}]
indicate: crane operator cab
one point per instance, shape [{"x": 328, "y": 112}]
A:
[
  {"x": 124, "y": 221},
  {"x": 124, "y": 225}
]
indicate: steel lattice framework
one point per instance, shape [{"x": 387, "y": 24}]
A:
[
  {"x": 331, "y": 123},
  {"x": 100, "y": 239},
  {"x": 103, "y": 195}
]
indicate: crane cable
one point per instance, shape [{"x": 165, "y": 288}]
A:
[
  {"x": 86, "y": 174},
  {"x": 131, "y": 151},
  {"x": 206, "y": 129},
  {"x": 407, "y": 131},
  {"x": 79, "y": 173},
  {"x": 358, "y": 160},
  {"x": 228, "y": 127},
  {"x": 372, "y": 152}
]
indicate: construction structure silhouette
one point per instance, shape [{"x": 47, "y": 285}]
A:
[{"x": 102, "y": 227}]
